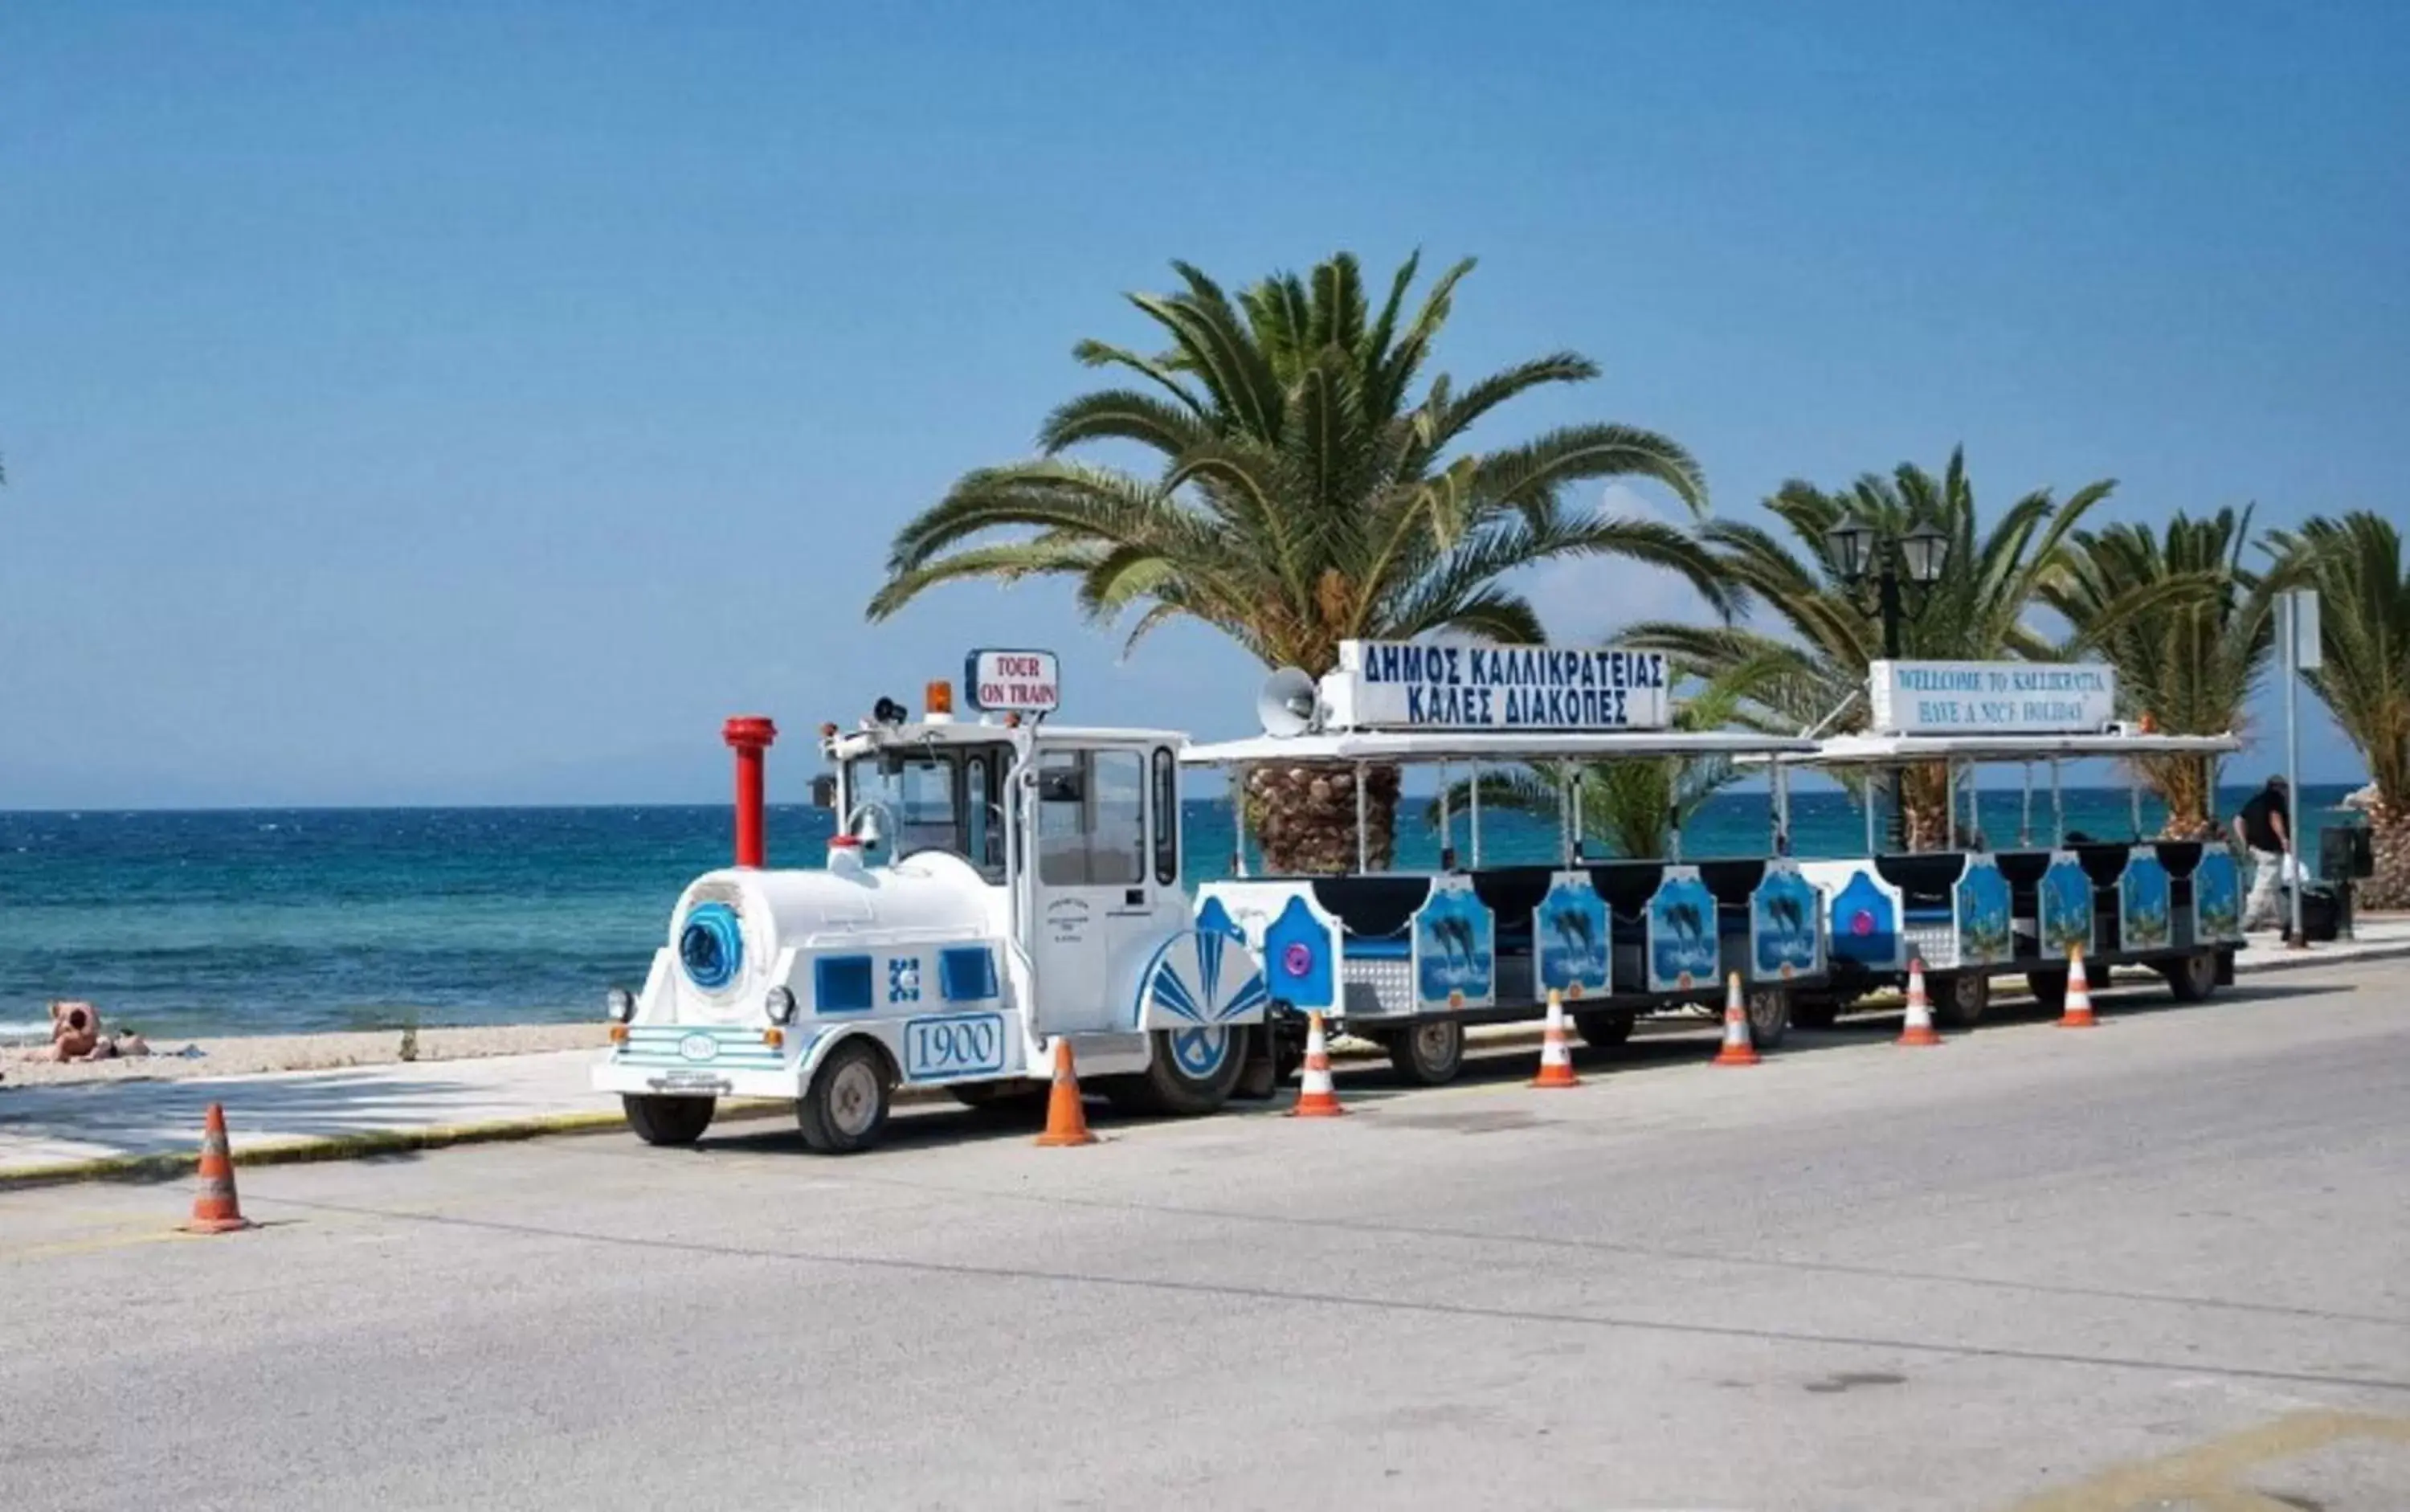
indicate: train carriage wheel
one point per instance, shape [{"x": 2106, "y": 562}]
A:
[{"x": 1429, "y": 1054}]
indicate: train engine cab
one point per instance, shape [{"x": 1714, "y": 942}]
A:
[{"x": 995, "y": 883}]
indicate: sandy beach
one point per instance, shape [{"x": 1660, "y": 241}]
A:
[{"x": 248, "y": 1055}]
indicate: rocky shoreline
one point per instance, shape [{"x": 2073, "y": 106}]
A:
[{"x": 251, "y": 1055}]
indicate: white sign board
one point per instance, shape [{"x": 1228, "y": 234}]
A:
[
  {"x": 1403, "y": 685},
  {"x": 1016, "y": 682},
  {"x": 1978, "y": 698},
  {"x": 2309, "y": 641}
]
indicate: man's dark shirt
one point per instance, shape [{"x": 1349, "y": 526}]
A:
[{"x": 2259, "y": 820}]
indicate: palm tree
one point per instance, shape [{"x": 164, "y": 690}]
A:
[
  {"x": 1308, "y": 493},
  {"x": 1976, "y": 611},
  {"x": 2188, "y": 628},
  {"x": 1630, "y": 807},
  {"x": 2363, "y": 587}
]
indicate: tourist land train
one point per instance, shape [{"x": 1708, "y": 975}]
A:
[{"x": 1002, "y": 882}]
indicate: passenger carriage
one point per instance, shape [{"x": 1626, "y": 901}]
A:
[
  {"x": 1980, "y": 910},
  {"x": 1410, "y": 959}
]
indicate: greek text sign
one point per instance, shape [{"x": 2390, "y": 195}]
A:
[
  {"x": 1971, "y": 698},
  {"x": 1393, "y": 685},
  {"x": 1014, "y": 682}
]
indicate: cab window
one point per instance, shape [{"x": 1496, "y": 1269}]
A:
[
  {"x": 1166, "y": 818},
  {"x": 1092, "y": 818}
]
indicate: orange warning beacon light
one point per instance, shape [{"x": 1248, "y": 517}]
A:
[{"x": 939, "y": 699}]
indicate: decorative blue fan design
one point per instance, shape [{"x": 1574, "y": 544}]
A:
[{"x": 1202, "y": 978}]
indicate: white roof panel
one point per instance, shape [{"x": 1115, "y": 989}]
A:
[{"x": 1489, "y": 746}]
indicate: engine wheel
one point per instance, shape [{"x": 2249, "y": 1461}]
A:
[
  {"x": 847, "y": 1105},
  {"x": 669, "y": 1121},
  {"x": 1603, "y": 1028},
  {"x": 1191, "y": 1071},
  {"x": 1427, "y": 1054},
  {"x": 1959, "y": 1000},
  {"x": 1769, "y": 1016},
  {"x": 2193, "y": 978}
]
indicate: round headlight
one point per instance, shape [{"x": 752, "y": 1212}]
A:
[
  {"x": 620, "y": 1004},
  {"x": 779, "y": 1003}
]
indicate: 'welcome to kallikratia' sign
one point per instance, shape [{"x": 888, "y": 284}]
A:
[
  {"x": 1403, "y": 685},
  {"x": 1975, "y": 698}
]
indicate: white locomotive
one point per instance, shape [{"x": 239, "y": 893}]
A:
[{"x": 993, "y": 884}]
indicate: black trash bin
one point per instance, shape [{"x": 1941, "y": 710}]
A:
[
  {"x": 2346, "y": 853},
  {"x": 2322, "y": 909}
]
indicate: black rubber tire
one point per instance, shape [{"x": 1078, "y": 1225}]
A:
[
  {"x": 1814, "y": 1011},
  {"x": 2194, "y": 978},
  {"x": 1604, "y": 1028},
  {"x": 1163, "y": 1087},
  {"x": 1429, "y": 1054},
  {"x": 833, "y": 1118},
  {"x": 1960, "y": 998},
  {"x": 1769, "y": 1016},
  {"x": 669, "y": 1122}
]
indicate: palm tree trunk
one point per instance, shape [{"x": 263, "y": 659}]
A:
[
  {"x": 1924, "y": 801},
  {"x": 1303, "y": 816},
  {"x": 2389, "y": 887},
  {"x": 2182, "y": 785}
]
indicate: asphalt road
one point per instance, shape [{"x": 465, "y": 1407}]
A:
[{"x": 2160, "y": 1265}]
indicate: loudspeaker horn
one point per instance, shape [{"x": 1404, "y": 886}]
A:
[{"x": 1289, "y": 703}]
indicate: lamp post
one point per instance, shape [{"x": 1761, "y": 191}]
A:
[{"x": 1867, "y": 554}]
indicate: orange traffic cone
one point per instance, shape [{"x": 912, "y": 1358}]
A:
[
  {"x": 215, "y": 1208},
  {"x": 1556, "y": 1061},
  {"x": 1737, "y": 1051},
  {"x": 1919, "y": 1028},
  {"x": 1066, "y": 1119},
  {"x": 2079, "y": 994},
  {"x": 1316, "y": 1097}
]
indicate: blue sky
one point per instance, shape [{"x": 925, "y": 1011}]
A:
[{"x": 476, "y": 403}]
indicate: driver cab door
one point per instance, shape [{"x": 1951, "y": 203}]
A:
[{"x": 1098, "y": 890}]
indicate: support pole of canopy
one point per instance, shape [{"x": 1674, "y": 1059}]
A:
[
  {"x": 1674, "y": 813},
  {"x": 1472, "y": 805},
  {"x": 1580, "y": 832},
  {"x": 1363, "y": 835},
  {"x": 2025, "y": 817},
  {"x": 1566, "y": 812},
  {"x": 2134, "y": 800},
  {"x": 2057, "y": 808},
  {"x": 1238, "y": 822},
  {"x": 1446, "y": 824},
  {"x": 1873, "y": 786},
  {"x": 1781, "y": 776},
  {"x": 1974, "y": 810}
]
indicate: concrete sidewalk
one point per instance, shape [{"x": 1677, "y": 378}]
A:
[{"x": 60, "y": 1132}]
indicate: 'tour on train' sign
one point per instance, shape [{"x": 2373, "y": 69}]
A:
[
  {"x": 1979, "y": 698},
  {"x": 1012, "y": 682},
  {"x": 1398, "y": 684}
]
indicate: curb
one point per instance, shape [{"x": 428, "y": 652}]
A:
[
  {"x": 370, "y": 1144},
  {"x": 2312, "y": 956}
]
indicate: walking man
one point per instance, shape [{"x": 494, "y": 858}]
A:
[{"x": 2260, "y": 829}]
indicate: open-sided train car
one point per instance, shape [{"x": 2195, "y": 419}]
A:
[
  {"x": 1410, "y": 959},
  {"x": 1979, "y": 910}
]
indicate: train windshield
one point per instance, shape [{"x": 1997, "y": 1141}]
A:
[{"x": 905, "y": 802}]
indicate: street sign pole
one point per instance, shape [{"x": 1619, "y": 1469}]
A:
[{"x": 2300, "y": 623}]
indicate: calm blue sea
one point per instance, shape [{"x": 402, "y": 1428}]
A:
[{"x": 267, "y": 921}]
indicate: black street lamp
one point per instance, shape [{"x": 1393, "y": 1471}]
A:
[{"x": 1863, "y": 552}]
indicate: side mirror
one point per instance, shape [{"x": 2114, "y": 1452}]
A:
[{"x": 824, "y": 790}]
